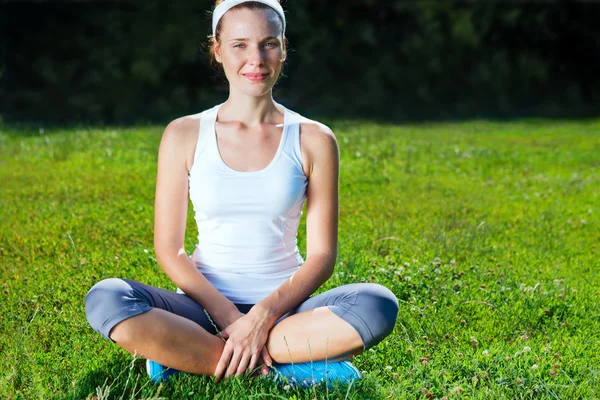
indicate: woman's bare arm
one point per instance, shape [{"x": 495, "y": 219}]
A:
[
  {"x": 170, "y": 215},
  {"x": 322, "y": 216}
]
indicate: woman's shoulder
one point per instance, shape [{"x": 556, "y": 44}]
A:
[
  {"x": 310, "y": 127},
  {"x": 181, "y": 135},
  {"x": 181, "y": 131},
  {"x": 186, "y": 127},
  {"x": 317, "y": 140}
]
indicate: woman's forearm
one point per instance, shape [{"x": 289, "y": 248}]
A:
[
  {"x": 311, "y": 275},
  {"x": 183, "y": 272}
]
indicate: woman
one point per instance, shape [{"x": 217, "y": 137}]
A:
[{"x": 248, "y": 165}]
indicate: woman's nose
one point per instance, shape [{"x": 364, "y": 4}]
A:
[{"x": 256, "y": 56}]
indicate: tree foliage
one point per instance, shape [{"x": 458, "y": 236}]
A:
[{"x": 147, "y": 60}]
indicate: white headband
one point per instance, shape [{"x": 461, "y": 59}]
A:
[{"x": 227, "y": 4}]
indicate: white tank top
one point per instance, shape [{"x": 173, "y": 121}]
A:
[{"x": 247, "y": 221}]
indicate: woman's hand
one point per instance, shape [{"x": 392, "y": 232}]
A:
[
  {"x": 228, "y": 319},
  {"x": 245, "y": 345}
]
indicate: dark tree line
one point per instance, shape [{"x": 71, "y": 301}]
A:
[{"x": 130, "y": 61}]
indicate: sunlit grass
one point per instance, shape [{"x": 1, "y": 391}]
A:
[{"x": 487, "y": 233}]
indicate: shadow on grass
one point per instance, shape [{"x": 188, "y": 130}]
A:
[
  {"x": 124, "y": 377},
  {"x": 115, "y": 377}
]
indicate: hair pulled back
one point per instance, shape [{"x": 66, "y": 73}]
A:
[{"x": 251, "y": 5}]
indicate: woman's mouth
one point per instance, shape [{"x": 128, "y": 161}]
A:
[{"x": 256, "y": 77}]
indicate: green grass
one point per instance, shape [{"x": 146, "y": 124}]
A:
[{"x": 488, "y": 233}]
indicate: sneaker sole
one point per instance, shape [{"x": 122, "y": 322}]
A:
[{"x": 309, "y": 381}]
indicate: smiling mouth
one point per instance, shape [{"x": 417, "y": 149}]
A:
[{"x": 256, "y": 77}]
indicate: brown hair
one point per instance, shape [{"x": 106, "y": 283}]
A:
[{"x": 252, "y": 5}]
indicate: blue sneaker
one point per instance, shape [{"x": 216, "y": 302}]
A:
[
  {"x": 159, "y": 373},
  {"x": 312, "y": 373}
]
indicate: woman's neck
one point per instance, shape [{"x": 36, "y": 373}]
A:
[{"x": 251, "y": 111}]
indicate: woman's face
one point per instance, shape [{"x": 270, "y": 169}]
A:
[{"x": 251, "y": 49}]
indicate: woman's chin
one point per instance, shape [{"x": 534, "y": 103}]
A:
[{"x": 257, "y": 90}]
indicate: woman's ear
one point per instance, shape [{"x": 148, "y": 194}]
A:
[
  {"x": 284, "y": 54},
  {"x": 217, "y": 51}
]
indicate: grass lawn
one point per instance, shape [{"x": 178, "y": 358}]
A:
[{"x": 487, "y": 232}]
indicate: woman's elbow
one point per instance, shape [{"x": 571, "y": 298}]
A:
[{"x": 166, "y": 256}]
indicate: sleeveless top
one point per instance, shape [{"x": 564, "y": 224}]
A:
[{"x": 247, "y": 221}]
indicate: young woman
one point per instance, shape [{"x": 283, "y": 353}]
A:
[{"x": 248, "y": 165}]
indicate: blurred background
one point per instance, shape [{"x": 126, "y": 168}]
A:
[{"x": 122, "y": 62}]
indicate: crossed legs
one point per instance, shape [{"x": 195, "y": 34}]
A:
[
  {"x": 173, "y": 330},
  {"x": 182, "y": 344}
]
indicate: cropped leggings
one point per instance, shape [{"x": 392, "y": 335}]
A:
[{"x": 369, "y": 308}]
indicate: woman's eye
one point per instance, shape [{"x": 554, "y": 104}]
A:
[{"x": 241, "y": 45}]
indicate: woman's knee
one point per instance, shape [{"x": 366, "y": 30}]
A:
[
  {"x": 380, "y": 305},
  {"x": 108, "y": 302}
]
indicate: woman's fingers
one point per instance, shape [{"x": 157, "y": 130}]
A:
[
  {"x": 223, "y": 361},
  {"x": 266, "y": 356},
  {"x": 233, "y": 364},
  {"x": 243, "y": 365},
  {"x": 253, "y": 362},
  {"x": 267, "y": 361}
]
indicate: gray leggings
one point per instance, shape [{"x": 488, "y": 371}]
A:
[{"x": 369, "y": 307}]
